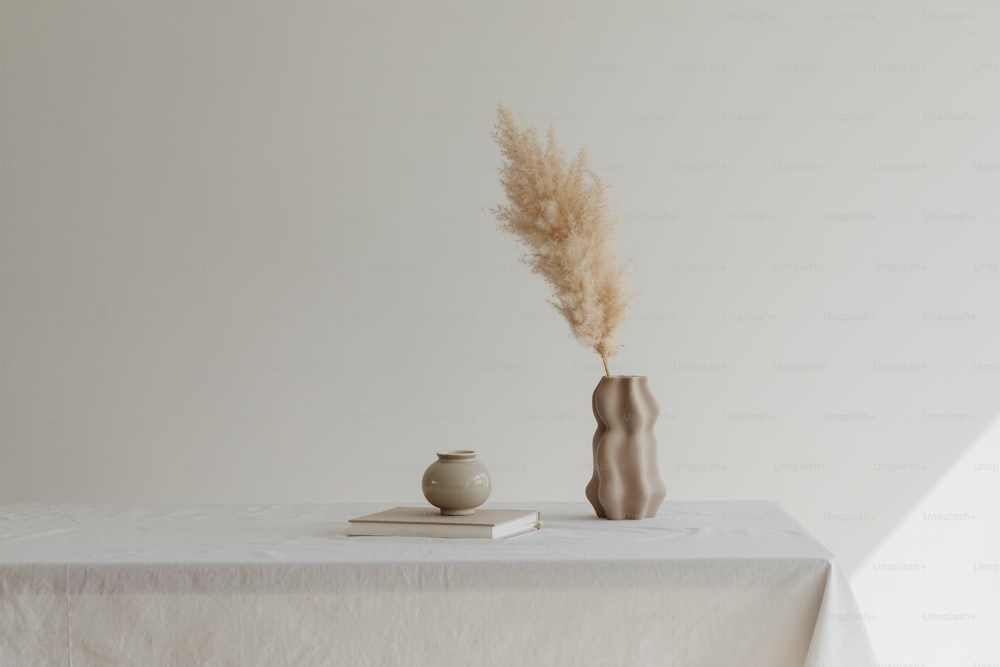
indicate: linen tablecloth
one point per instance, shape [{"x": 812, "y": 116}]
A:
[{"x": 727, "y": 584}]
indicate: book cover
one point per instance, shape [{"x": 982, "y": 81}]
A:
[{"x": 429, "y": 522}]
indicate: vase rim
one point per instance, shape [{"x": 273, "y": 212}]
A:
[
  {"x": 457, "y": 454},
  {"x": 624, "y": 377}
]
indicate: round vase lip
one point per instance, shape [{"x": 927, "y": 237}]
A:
[{"x": 457, "y": 455}]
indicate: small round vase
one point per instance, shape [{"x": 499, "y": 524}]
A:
[{"x": 456, "y": 483}]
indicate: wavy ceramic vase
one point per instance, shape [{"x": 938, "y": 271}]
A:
[{"x": 626, "y": 482}]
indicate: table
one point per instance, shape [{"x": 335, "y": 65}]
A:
[{"x": 703, "y": 584}]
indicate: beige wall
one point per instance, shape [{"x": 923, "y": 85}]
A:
[{"x": 245, "y": 257}]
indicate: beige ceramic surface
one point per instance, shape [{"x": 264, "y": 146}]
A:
[
  {"x": 457, "y": 483},
  {"x": 626, "y": 483}
]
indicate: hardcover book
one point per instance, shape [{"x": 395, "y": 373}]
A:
[{"x": 429, "y": 522}]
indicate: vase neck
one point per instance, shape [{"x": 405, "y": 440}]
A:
[
  {"x": 633, "y": 380},
  {"x": 457, "y": 455}
]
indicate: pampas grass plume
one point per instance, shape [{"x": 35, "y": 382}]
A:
[{"x": 559, "y": 212}]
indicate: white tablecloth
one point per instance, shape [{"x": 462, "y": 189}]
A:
[{"x": 703, "y": 584}]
